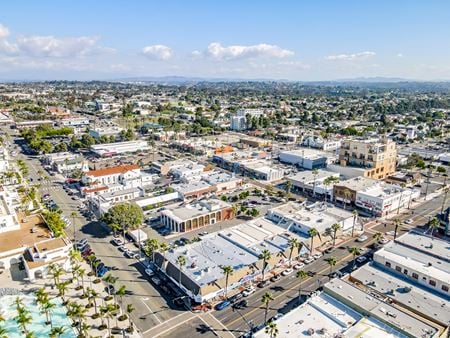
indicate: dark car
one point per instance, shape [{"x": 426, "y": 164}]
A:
[
  {"x": 241, "y": 304},
  {"x": 263, "y": 284},
  {"x": 329, "y": 249},
  {"x": 110, "y": 289},
  {"x": 223, "y": 305},
  {"x": 236, "y": 297},
  {"x": 275, "y": 278}
]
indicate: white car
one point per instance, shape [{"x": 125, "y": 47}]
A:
[
  {"x": 362, "y": 238},
  {"x": 390, "y": 233},
  {"x": 383, "y": 241},
  {"x": 409, "y": 221},
  {"x": 248, "y": 291},
  {"x": 117, "y": 241},
  {"x": 309, "y": 260},
  {"x": 287, "y": 272},
  {"x": 317, "y": 255},
  {"x": 361, "y": 259},
  {"x": 298, "y": 266}
]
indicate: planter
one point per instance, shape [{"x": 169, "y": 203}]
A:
[
  {"x": 122, "y": 318},
  {"x": 90, "y": 274},
  {"x": 130, "y": 329},
  {"x": 108, "y": 298},
  {"x": 102, "y": 327},
  {"x": 95, "y": 316},
  {"x": 79, "y": 287},
  {"x": 96, "y": 281},
  {"x": 89, "y": 305}
]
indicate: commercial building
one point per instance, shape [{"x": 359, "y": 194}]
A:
[
  {"x": 345, "y": 191},
  {"x": 382, "y": 199},
  {"x": 255, "y": 142},
  {"x": 8, "y": 217},
  {"x": 313, "y": 183},
  {"x": 262, "y": 170},
  {"x": 305, "y": 158},
  {"x": 117, "y": 148},
  {"x": 195, "y": 189},
  {"x": 105, "y": 131},
  {"x": 186, "y": 169},
  {"x": 301, "y": 217},
  {"x": 320, "y": 143},
  {"x": 377, "y": 157},
  {"x": 238, "y": 123},
  {"x": 196, "y": 215},
  {"x": 75, "y": 122}
]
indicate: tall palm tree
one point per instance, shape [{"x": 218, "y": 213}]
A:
[
  {"x": 84, "y": 328},
  {"x": 444, "y": 200},
  {"x": 62, "y": 288},
  {"x": 56, "y": 271},
  {"x": 108, "y": 311},
  {"x": 377, "y": 236},
  {"x": 301, "y": 275},
  {"x": 47, "y": 309},
  {"x": 150, "y": 247},
  {"x": 315, "y": 173},
  {"x": 397, "y": 222},
  {"x": 121, "y": 292},
  {"x": 75, "y": 270},
  {"x": 266, "y": 299},
  {"x": 23, "y": 318},
  {"x": 355, "y": 215},
  {"x": 92, "y": 297},
  {"x": 227, "y": 271},
  {"x": 110, "y": 280},
  {"x": 347, "y": 197},
  {"x": 332, "y": 261},
  {"x": 3, "y": 332},
  {"x": 80, "y": 274},
  {"x": 130, "y": 309},
  {"x": 312, "y": 233},
  {"x": 293, "y": 243},
  {"x": 181, "y": 261},
  {"x": 288, "y": 187},
  {"x": 265, "y": 256},
  {"x": 434, "y": 225},
  {"x": 74, "y": 214},
  {"x": 335, "y": 228},
  {"x": 272, "y": 329},
  {"x": 355, "y": 251},
  {"x": 163, "y": 248},
  {"x": 57, "y": 331}
]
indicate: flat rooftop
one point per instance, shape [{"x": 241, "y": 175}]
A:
[
  {"x": 306, "y": 153},
  {"x": 195, "y": 209},
  {"x": 306, "y": 177},
  {"x": 205, "y": 258},
  {"x": 217, "y": 177},
  {"x": 425, "y": 244},
  {"x": 416, "y": 297},
  {"x": 185, "y": 188},
  {"x": 323, "y": 314},
  {"x": 24, "y": 237},
  {"x": 358, "y": 183},
  {"x": 404, "y": 322},
  {"x": 52, "y": 244}
]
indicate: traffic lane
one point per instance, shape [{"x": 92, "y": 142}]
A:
[
  {"x": 319, "y": 267},
  {"x": 193, "y": 328}
]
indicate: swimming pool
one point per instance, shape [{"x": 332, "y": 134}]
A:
[{"x": 38, "y": 325}]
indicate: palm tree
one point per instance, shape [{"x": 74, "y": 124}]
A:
[
  {"x": 84, "y": 328},
  {"x": 377, "y": 236},
  {"x": 74, "y": 214},
  {"x": 121, "y": 292},
  {"x": 288, "y": 188},
  {"x": 62, "y": 288},
  {"x": 75, "y": 270},
  {"x": 444, "y": 200},
  {"x": 227, "y": 271},
  {"x": 108, "y": 311},
  {"x": 23, "y": 318},
  {"x": 355, "y": 215},
  {"x": 293, "y": 243},
  {"x": 56, "y": 271},
  {"x": 57, "y": 331},
  {"x": 329, "y": 181},
  {"x": 335, "y": 228},
  {"x": 266, "y": 299},
  {"x": 80, "y": 274},
  {"x": 130, "y": 309},
  {"x": 47, "y": 309},
  {"x": 92, "y": 296},
  {"x": 3, "y": 332},
  {"x": 301, "y": 275},
  {"x": 110, "y": 280},
  {"x": 265, "y": 256},
  {"x": 151, "y": 246},
  {"x": 312, "y": 233},
  {"x": 163, "y": 248},
  {"x": 315, "y": 173},
  {"x": 75, "y": 256},
  {"x": 332, "y": 261},
  {"x": 434, "y": 225},
  {"x": 181, "y": 261},
  {"x": 272, "y": 329},
  {"x": 397, "y": 223},
  {"x": 347, "y": 196},
  {"x": 355, "y": 251}
]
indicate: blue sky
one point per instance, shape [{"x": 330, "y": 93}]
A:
[{"x": 296, "y": 40}]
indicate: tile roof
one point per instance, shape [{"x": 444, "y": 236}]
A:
[{"x": 121, "y": 169}]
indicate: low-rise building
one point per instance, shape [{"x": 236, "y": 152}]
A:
[
  {"x": 314, "y": 183},
  {"x": 196, "y": 215},
  {"x": 345, "y": 191},
  {"x": 117, "y": 148},
  {"x": 305, "y": 158},
  {"x": 256, "y": 142},
  {"x": 75, "y": 122},
  {"x": 301, "y": 217},
  {"x": 105, "y": 131}
]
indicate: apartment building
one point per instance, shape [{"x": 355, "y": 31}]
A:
[{"x": 377, "y": 156}]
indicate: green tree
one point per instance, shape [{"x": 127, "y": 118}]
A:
[
  {"x": 110, "y": 280},
  {"x": 227, "y": 271},
  {"x": 293, "y": 244},
  {"x": 301, "y": 275},
  {"x": 355, "y": 251},
  {"x": 377, "y": 236},
  {"x": 266, "y": 299},
  {"x": 312, "y": 233},
  {"x": 272, "y": 329},
  {"x": 335, "y": 228},
  {"x": 181, "y": 261},
  {"x": 130, "y": 309},
  {"x": 127, "y": 215},
  {"x": 265, "y": 255},
  {"x": 434, "y": 225},
  {"x": 151, "y": 245},
  {"x": 332, "y": 261},
  {"x": 57, "y": 331}
]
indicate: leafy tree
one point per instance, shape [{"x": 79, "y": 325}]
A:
[
  {"x": 265, "y": 256},
  {"x": 272, "y": 329},
  {"x": 126, "y": 215}
]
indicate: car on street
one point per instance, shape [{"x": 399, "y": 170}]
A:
[
  {"x": 223, "y": 305},
  {"x": 409, "y": 221},
  {"x": 336, "y": 274},
  {"x": 82, "y": 241},
  {"x": 248, "y": 291},
  {"x": 117, "y": 242},
  {"x": 263, "y": 284},
  {"x": 309, "y": 260},
  {"x": 390, "y": 233},
  {"x": 383, "y": 241},
  {"x": 275, "y": 278},
  {"x": 317, "y": 255},
  {"x": 236, "y": 297},
  {"x": 149, "y": 272},
  {"x": 299, "y": 266},
  {"x": 329, "y": 250},
  {"x": 156, "y": 280},
  {"x": 203, "y": 233},
  {"x": 362, "y": 238},
  {"x": 361, "y": 259},
  {"x": 241, "y": 304},
  {"x": 287, "y": 272},
  {"x": 129, "y": 254},
  {"x": 122, "y": 248}
]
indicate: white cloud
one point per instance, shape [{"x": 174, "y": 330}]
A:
[
  {"x": 351, "y": 57},
  {"x": 219, "y": 52},
  {"x": 157, "y": 52},
  {"x": 4, "y": 31},
  {"x": 294, "y": 64},
  {"x": 400, "y": 55}
]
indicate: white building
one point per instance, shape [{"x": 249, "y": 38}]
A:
[
  {"x": 382, "y": 199},
  {"x": 116, "y": 148},
  {"x": 305, "y": 158},
  {"x": 186, "y": 169},
  {"x": 238, "y": 123},
  {"x": 106, "y": 131},
  {"x": 251, "y": 112},
  {"x": 313, "y": 183},
  {"x": 8, "y": 217},
  {"x": 300, "y": 217},
  {"x": 320, "y": 143},
  {"x": 75, "y": 122}
]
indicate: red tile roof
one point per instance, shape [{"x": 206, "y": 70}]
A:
[
  {"x": 88, "y": 191},
  {"x": 121, "y": 169}
]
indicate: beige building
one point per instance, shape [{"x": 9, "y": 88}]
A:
[{"x": 376, "y": 156}]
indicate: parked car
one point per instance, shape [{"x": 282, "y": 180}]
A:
[
  {"x": 309, "y": 260},
  {"x": 317, "y": 255},
  {"x": 236, "y": 297},
  {"x": 409, "y": 221},
  {"x": 223, "y": 305},
  {"x": 156, "y": 280},
  {"x": 383, "y": 241},
  {"x": 263, "y": 284},
  {"x": 102, "y": 272},
  {"x": 241, "y": 304},
  {"x": 248, "y": 291},
  {"x": 299, "y": 266},
  {"x": 329, "y": 250},
  {"x": 361, "y": 259},
  {"x": 275, "y": 278},
  {"x": 129, "y": 254},
  {"x": 287, "y": 272},
  {"x": 122, "y": 248},
  {"x": 117, "y": 241},
  {"x": 362, "y": 238}
]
